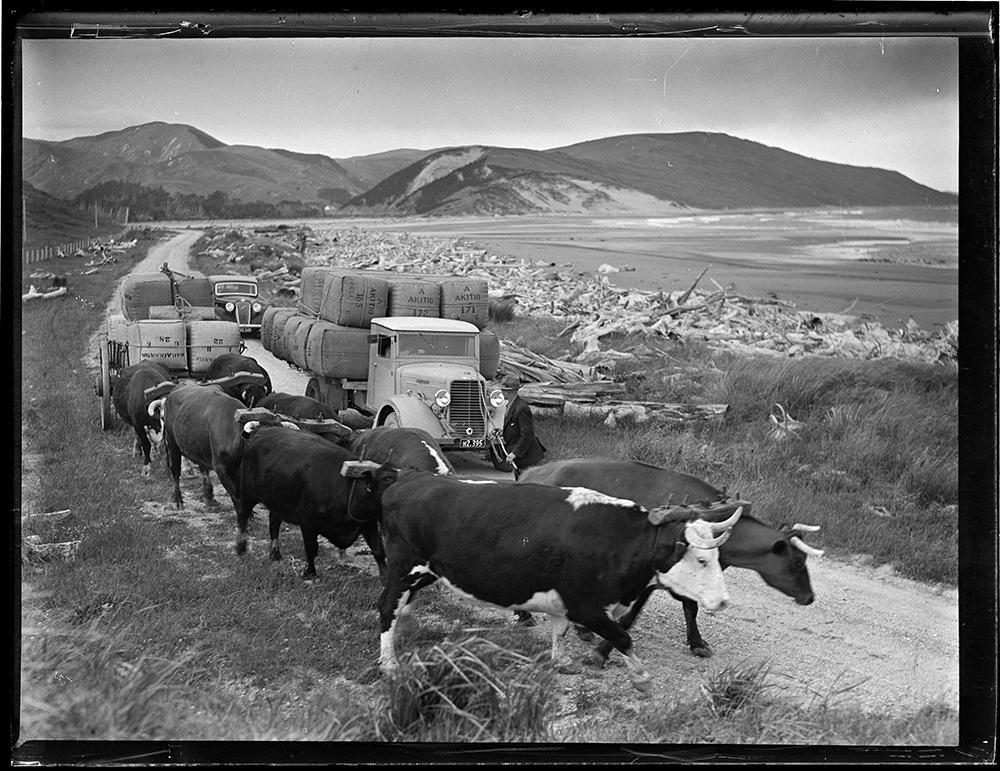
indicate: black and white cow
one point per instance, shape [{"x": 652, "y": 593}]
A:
[
  {"x": 297, "y": 476},
  {"x": 778, "y": 555},
  {"x": 572, "y": 553},
  {"x": 402, "y": 447},
  {"x": 132, "y": 404}
]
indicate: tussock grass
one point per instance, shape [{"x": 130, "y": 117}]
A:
[{"x": 467, "y": 691}]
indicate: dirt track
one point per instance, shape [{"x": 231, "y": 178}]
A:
[{"x": 871, "y": 640}]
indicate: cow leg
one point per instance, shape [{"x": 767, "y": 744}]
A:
[
  {"x": 599, "y": 655},
  {"x": 207, "y": 492},
  {"x": 374, "y": 541},
  {"x": 398, "y": 590},
  {"x": 695, "y": 641},
  {"x": 274, "y": 531},
  {"x": 142, "y": 441},
  {"x": 174, "y": 463},
  {"x": 311, "y": 540},
  {"x": 244, "y": 513},
  {"x": 562, "y": 661},
  {"x": 613, "y": 632}
]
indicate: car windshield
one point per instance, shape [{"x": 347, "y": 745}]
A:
[
  {"x": 236, "y": 287},
  {"x": 434, "y": 344}
]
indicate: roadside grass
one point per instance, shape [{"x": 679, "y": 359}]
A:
[{"x": 157, "y": 631}]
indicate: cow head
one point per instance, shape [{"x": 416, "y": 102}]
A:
[
  {"x": 697, "y": 575},
  {"x": 783, "y": 564}
]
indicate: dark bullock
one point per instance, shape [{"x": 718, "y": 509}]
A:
[
  {"x": 132, "y": 404},
  {"x": 297, "y": 476},
  {"x": 199, "y": 423},
  {"x": 310, "y": 414},
  {"x": 232, "y": 363},
  {"x": 402, "y": 448},
  {"x": 778, "y": 555},
  {"x": 572, "y": 553}
]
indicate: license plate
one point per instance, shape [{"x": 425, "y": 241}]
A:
[{"x": 470, "y": 443}]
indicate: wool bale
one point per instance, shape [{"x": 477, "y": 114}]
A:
[
  {"x": 413, "y": 297},
  {"x": 195, "y": 290},
  {"x": 209, "y": 339},
  {"x": 267, "y": 324},
  {"x": 311, "y": 288},
  {"x": 278, "y": 334},
  {"x": 164, "y": 339},
  {"x": 188, "y": 313},
  {"x": 465, "y": 299},
  {"x": 489, "y": 353},
  {"x": 337, "y": 351},
  {"x": 141, "y": 290},
  {"x": 289, "y": 337},
  {"x": 353, "y": 299},
  {"x": 164, "y": 312},
  {"x": 297, "y": 348}
]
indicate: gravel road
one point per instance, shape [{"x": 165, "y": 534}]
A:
[{"x": 871, "y": 639}]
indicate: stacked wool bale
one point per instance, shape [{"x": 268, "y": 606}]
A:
[
  {"x": 327, "y": 333},
  {"x": 174, "y": 323}
]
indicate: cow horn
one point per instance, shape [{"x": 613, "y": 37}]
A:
[
  {"x": 697, "y": 541},
  {"x": 249, "y": 426},
  {"x": 154, "y": 407},
  {"x": 805, "y": 528},
  {"x": 718, "y": 527},
  {"x": 289, "y": 424},
  {"x": 802, "y": 546}
]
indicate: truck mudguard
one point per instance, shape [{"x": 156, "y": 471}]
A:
[{"x": 412, "y": 412}]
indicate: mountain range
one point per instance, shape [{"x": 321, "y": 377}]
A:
[{"x": 635, "y": 173}]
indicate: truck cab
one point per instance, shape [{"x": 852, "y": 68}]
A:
[{"x": 424, "y": 373}]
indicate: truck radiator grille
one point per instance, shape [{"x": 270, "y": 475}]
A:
[{"x": 467, "y": 407}]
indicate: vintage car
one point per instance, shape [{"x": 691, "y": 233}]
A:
[{"x": 237, "y": 299}]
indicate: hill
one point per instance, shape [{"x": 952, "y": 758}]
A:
[
  {"x": 50, "y": 221},
  {"x": 182, "y": 160},
  {"x": 631, "y": 174},
  {"x": 641, "y": 173}
]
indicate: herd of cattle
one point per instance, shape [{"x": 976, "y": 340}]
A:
[{"x": 585, "y": 541}]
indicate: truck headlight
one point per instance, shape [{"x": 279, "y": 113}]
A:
[
  {"x": 256, "y": 307},
  {"x": 230, "y": 307},
  {"x": 442, "y": 398},
  {"x": 496, "y": 398}
]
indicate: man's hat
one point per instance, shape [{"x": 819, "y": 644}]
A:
[{"x": 510, "y": 383}]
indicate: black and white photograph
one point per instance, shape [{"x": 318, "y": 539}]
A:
[{"x": 499, "y": 388}]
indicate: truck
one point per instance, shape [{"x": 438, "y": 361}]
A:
[{"x": 424, "y": 373}]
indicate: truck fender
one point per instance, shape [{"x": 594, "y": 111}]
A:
[{"x": 412, "y": 412}]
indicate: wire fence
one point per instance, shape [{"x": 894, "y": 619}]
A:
[{"x": 42, "y": 253}]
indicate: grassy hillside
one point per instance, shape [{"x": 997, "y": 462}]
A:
[{"x": 51, "y": 222}]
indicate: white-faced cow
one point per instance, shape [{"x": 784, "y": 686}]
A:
[
  {"x": 132, "y": 404},
  {"x": 402, "y": 447},
  {"x": 778, "y": 555},
  {"x": 233, "y": 363},
  {"x": 297, "y": 476},
  {"x": 572, "y": 553},
  {"x": 199, "y": 423}
]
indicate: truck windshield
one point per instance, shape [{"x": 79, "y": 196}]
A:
[{"x": 433, "y": 344}]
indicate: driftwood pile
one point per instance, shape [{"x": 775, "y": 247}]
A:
[{"x": 594, "y": 308}]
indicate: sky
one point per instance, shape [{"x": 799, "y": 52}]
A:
[{"x": 882, "y": 102}]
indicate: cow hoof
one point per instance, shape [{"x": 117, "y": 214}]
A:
[
  {"x": 596, "y": 659},
  {"x": 585, "y": 634},
  {"x": 643, "y": 685},
  {"x": 702, "y": 652},
  {"x": 241, "y": 548},
  {"x": 310, "y": 576},
  {"x": 145, "y": 471}
]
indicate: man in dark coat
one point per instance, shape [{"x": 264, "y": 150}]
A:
[{"x": 523, "y": 447}]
